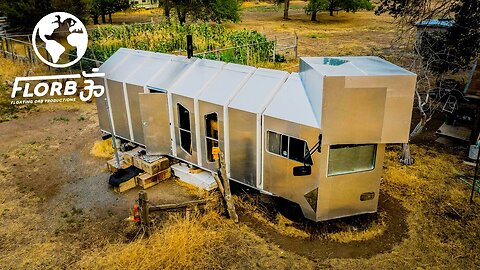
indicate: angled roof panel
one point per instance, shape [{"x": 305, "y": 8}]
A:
[
  {"x": 152, "y": 64},
  {"x": 258, "y": 90},
  {"x": 291, "y": 103},
  {"x": 196, "y": 78},
  {"x": 165, "y": 78},
  {"x": 114, "y": 61},
  {"x": 133, "y": 61},
  {"x": 226, "y": 84}
]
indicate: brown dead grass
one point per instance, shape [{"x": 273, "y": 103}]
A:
[
  {"x": 102, "y": 149},
  {"x": 206, "y": 241},
  {"x": 281, "y": 224},
  {"x": 350, "y": 234},
  {"x": 192, "y": 189},
  {"x": 443, "y": 225},
  {"x": 184, "y": 244}
]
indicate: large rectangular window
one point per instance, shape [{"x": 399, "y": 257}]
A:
[
  {"x": 184, "y": 127},
  {"x": 288, "y": 147},
  {"x": 351, "y": 158},
  {"x": 211, "y": 134}
]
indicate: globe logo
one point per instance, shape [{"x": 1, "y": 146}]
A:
[{"x": 57, "y": 35}]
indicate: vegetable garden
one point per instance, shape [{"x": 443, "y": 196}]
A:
[{"x": 245, "y": 46}]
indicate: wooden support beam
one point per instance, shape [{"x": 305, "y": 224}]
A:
[
  {"x": 226, "y": 184},
  {"x": 219, "y": 184},
  {"x": 174, "y": 206}
]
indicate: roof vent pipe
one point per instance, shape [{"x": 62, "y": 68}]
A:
[{"x": 189, "y": 46}]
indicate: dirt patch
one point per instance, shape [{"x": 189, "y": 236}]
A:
[
  {"x": 56, "y": 192},
  {"x": 318, "y": 247}
]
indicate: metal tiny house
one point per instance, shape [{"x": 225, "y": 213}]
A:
[{"x": 267, "y": 122}]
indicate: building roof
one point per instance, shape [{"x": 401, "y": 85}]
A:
[
  {"x": 132, "y": 60},
  {"x": 114, "y": 61},
  {"x": 276, "y": 93},
  {"x": 196, "y": 78},
  {"x": 291, "y": 103},
  {"x": 446, "y": 23},
  {"x": 259, "y": 90},
  {"x": 153, "y": 63},
  {"x": 227, "y": 83},
  {"x": 354, "y": 66},
  {"x": 166, "y": 77}
]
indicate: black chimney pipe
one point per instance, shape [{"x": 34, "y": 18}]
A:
[{"x": 189, "y": 46}]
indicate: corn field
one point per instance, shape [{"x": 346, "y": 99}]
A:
[{"x": 210, "y": 41}]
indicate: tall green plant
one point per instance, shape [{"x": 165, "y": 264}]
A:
[{"x": 171, "y": 37}]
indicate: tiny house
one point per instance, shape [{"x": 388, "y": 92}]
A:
[{"x": 316, "y": 137}]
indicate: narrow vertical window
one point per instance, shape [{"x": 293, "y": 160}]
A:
[
  {"x": 211, "y": 134},
  {"x": 274, "y": 142},
  {"x": 184, "y": 127}
]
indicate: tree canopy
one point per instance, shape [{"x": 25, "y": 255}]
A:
[
  {"x": 451, "y": 50},
  {"x": 207, "y": 10},
  {"x": 315, "y": 6},
  {"x": 25, "y": 13}
]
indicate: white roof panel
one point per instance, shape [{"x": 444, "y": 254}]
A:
[
  {"x": 168, "y": 76},
  {"x": 133, "y": 61},
  {"x": 114, "y": 61},
  {"x": 227, "y": 83},
  {"x": 259, "y": 90},
  {"x": 291, "y": 103},
  {"x": 354, "y": 66},
  {"x": 197, "y": 76},
  {"x": 146, "y": 71}
]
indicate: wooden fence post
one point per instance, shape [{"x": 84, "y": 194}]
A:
[
  {"x": 296, "y": 45},
  {"x": 3, "y": 48},
  {"x": 144, "y": 214},
  {"x": 274, "y": 49}
]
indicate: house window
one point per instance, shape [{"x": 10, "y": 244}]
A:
[
  {"x": 288, "y": 147},
  {"x": 344, "y": 159},
  {"x": 184, "y": 127},
  {"x": 211, "y": 134}
]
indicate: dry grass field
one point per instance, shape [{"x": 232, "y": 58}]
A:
[{"x": 57, "y": 212}]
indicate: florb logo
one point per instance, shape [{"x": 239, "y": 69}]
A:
[{"x": 61, "y": 32}]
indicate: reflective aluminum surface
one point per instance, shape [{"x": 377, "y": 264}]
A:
[
  {"x": 156, "y": 125},
  {"x": 118, "y": 109}
]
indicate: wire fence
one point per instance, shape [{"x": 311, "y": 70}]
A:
[{"x": 19, "y": 48}]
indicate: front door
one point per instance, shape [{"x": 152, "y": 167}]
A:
[{"x": 155, "y": 120}]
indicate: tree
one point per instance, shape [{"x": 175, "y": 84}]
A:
[
  {"x": 315, "y": 6},
  {"x": 75, "y": 7},
  {"x": 348, "y": 5},
  {"x": 166, "y": 7},
  {"x": 286, "y": 7},
  {"x": 447, "y": 52},
  {"x": 112, "y": 6},
  {"x": 102, "y": 8},
  {"x": 207, "y": 10},
  {"x": 25, "y": 13}
]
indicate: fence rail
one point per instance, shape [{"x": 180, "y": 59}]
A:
[{"x": 19, "y": 48}]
